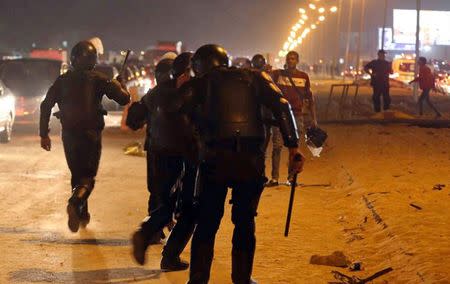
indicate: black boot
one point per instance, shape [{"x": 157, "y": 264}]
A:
[
  {"x": 77, "y": 207},
  {"x": 140, "y": 245},
  {"x": 173, "y": 264},
  {"x": 242, "y": 265}
]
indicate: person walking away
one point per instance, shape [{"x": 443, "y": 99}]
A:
[{"x": 426, "y": 83}]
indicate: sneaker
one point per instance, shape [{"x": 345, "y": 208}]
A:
[
  {"x": 140, "y": 246},
  {"x": 272, "y": 183},
  {"x": 173, "y": 264}
]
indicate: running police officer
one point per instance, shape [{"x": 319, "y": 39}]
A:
[
  {"x": 225, "y": 105},
  {"x": 172, "y": 152},
  {"x": 78, "y": 94}
]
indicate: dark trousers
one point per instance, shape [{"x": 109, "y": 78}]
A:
[
  {"x": 378, "y": 91},
  {"x": 425, "y": 96},
  {"x": 243, "y": 172},
  {"x": 165, "y": 173},
  {"x": 82, "y": 150}
]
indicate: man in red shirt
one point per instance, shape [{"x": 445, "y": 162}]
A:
[
  {"x": 426, "y": 83},
  {"x": 296, "y": 88}
]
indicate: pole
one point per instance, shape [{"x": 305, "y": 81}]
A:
[
  {"x": 361, "y": 29},
  {"x": 416, "y": 68},
  {"x": 384, "y": 23},
  {"x": 338, "y": 39},
  {"x": 347, "y": 48}
]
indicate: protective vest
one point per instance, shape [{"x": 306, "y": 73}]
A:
[
  {"x": 80, "y": 101},
  {"x": 231, "y": 109}
]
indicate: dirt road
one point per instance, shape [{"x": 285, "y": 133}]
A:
[{"x": 357, "y": 198}]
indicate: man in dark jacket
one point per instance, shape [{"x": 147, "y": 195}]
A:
[
  {"x": 78, "y": 94},
  {"x": 379, "y": 71}
]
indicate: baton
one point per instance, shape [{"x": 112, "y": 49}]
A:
[
  {"x": 297, "y": 158},
  {"x": 125, "y": 61}
]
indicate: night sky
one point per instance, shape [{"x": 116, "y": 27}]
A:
[{"x": 242, "y": 26}]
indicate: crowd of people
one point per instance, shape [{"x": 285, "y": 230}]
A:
[{"x": 208, "y": 127}]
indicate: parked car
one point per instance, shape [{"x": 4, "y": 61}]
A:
[
  {"x": 29, "y": 80},
  {"x": 7, "y": 113}
]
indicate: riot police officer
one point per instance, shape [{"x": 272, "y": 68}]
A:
[
  {"x": 78, "y": 94},
  {"x": 171, "y": 152},
  {"x": 225, "y": 104}
]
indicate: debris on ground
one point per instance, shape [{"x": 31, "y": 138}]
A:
[
  {"x": 438, "y": 186},
  {"x": 342, "y": 278},
  {"x": 134, "y": 149},
  {"x": 337, "y": 259},
  {"x": 415, "y": 206}
]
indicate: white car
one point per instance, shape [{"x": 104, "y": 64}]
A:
[{"x": 7, "y": 113}]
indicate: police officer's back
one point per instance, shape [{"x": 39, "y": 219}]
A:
[
  {"x": 225, "y": 104},
  {"x": 78, "y": 94}
]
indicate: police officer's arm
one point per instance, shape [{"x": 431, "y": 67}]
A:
[
  {"x": 114, "y": 90},
  {"x": 138, "y": 111},
  {"x": 312, "y": 102},
  {"x": 45, "y": 112}
]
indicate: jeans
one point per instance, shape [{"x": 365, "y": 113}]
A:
[{"x": 277, "y": 141}]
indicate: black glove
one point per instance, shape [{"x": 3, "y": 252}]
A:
[{"x": 136, "y": 116}]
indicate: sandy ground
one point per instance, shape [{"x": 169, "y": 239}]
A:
[{"x": 375, "y": 172}]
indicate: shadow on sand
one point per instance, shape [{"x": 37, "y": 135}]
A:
[{"x": 117, "y": 275}]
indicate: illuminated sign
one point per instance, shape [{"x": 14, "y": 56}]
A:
[
  {"x": 388, "y": 42},
  {"x": 434, "y": 27}
]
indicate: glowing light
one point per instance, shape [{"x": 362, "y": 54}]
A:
[
  {"x": 290, "y": 39},
  {"x": 292, "y": 34},
  {"x": 302, "y": 11},
  {"x": 301, "y": 21},
  {"x": 322, "y": 18},
  {"x": 304, "y": 17},
  {"x": 312, "y": 6},
  {"x": 333, "y": 9},
  {"x": 286, "y": 45},
  {"x": 313, "y": 26},
  {"x": 321, "y": 10},
  {"x": 280, "y": 54}
]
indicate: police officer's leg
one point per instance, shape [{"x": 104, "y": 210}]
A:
[
  {"x": 167, "y": 170},
  {"x": 182, "y": 232},
  {"x": 277, "y": 141},
  {"x": 245, "y": 199},
  {"x": 84, "y": 154},
  {"x": 386, "y": 98},
  {"x": 211, "y": 207},
  {"x": 376, "y": 98},
  {"x": 92, "y": 153}
]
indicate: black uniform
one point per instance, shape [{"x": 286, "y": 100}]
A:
[
  {"x": 225, "y": 105},
  {"x": 78, "y": 94},
  {"x": 172, "y": 155}
]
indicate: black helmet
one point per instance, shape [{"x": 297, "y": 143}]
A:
[
  {"x": 181, "y": 64},
  {"x": 207, "y": 57},
  {"x": 162, "y": 70},
  {"x": 83, "y": 56},
  {"x": 258, "y": 61}
]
